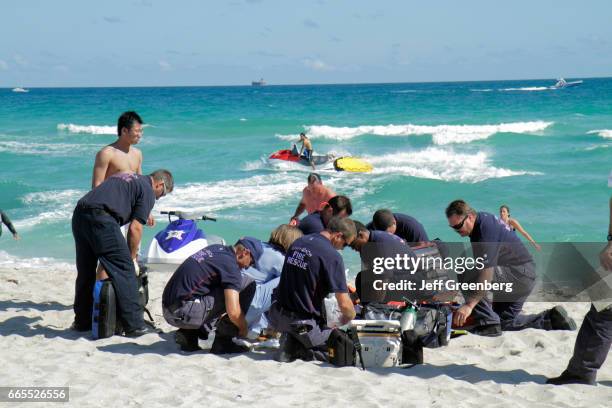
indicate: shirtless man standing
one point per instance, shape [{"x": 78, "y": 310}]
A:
[
  {"x": 120, "y": 157},
  {"x": 306, "y": 150}
]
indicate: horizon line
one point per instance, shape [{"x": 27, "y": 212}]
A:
[{"x": 295, "y": 84}]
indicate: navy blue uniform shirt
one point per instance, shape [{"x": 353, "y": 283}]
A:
[
  {"x": 313, "y": 269},
  {"x": 407, "y": 228},
  {"x": 211, "y": 268},
  {"x": 126, "y": 196},
  {"x": 383, "y": 244},
  {"x": 384, "y": 237}
]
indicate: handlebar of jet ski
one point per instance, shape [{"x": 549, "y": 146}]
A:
[{"x": 184, "y": 215}]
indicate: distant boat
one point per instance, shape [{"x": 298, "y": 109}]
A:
[
  {"x": 22, "y": 90},
  {"x": 562, "y": 83},
  {"x": 261, "y": 82}
]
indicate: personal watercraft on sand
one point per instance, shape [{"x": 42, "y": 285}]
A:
[
  {"x": 351, "y": 164},
  {"x": 180, "y": 239}
]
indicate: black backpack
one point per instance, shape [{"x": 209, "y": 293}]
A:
[
  {"x": 343, "y": 347},
  {"x": 432, "y": 325}
]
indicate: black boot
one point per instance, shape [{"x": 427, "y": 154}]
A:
[
  {"x": 80, "y": 327},
  {"x": 289, "y": 349},
  {"x": 187, "y": 340},
  {"x": 567, "y": 378},
  {"x": 225, "y": 345},
  {"x": 559, "y": 320},
  {"x": 487, "y": 330}
]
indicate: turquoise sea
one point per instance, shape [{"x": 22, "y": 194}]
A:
[{"x": 544, "y": 152}]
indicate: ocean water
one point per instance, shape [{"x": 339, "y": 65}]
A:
[{"x": 544, "y": 152}]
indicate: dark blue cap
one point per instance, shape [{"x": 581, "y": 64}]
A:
[{"x": 255, "y": 248}]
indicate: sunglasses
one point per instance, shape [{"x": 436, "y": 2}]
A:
[
  {"x": 164, "y": 191},
  {"x": 457, "y": 227}
]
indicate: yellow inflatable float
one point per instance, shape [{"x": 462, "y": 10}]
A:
[{"x": 352, "y": 164}]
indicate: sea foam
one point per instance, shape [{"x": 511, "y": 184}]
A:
[
  {"x": 54, "y": 206},
  {"x": 43, "y": 264},
  {"x": 530, "y": 88},
  {"x": 246, "y": 192},
  {"x": 440, "y": 164},
  {"x": 51, "y": 149},
  {"x": 91, "y": 129},
  {"x": 442, "y": 134},
  {"x": 605, "y": 133}
]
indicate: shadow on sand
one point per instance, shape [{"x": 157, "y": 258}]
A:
[
  {"x": 41, "y": 307},
  {"x": 29, "y": 327}
]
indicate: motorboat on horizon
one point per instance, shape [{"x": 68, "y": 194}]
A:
[
  {"x": 562, "y": 83},
  {"x": 261, "y": 82},
  {"x": 20, "y": 90}
]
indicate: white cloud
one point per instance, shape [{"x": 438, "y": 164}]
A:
[
  {"x": 3, "y": 65},
  {"x": 165, "y": 66},
  {"x": 317, "y": 65},
  {"x": 20, "y": 60}
]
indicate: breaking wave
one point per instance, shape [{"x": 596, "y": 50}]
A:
[
  {"x": 90, "y": 129},
  {"x": 442, "y": 134}
]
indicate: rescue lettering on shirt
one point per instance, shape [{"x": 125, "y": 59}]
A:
[
  {"x": 202, "y": 255},
  {"x": 299, "y": 257}
]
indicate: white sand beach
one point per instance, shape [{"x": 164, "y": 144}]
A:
[{"x": 38, "y": 349}]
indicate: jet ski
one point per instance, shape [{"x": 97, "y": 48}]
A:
[
  {"x": 562, "y": 83},
  {"x": 180, "y": 239},
  {"x": 351, "y": 164}
]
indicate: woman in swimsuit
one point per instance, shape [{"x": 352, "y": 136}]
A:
[{"x": 504, "y": 215}]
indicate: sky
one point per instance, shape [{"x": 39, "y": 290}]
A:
[{"x": 199, "y": 42}]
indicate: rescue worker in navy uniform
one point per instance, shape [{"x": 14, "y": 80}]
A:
[
  {"x": 205, "y": 286},
  {"x": 365, "y": 235},
  {"x": 402, "y": 225},
  {"x": 372, "y": 244},
  {"x": 313, "y": 269},
  {"x": 120, "y": 199},
  {"x": 505, "y": 260},
  {"x": 338, "y": 206},
  {"x": 595, "y": 335}
]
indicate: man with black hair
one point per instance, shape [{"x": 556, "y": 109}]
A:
[
  {"x": 375, "y": 244},
  {"x": 338, "y": 206},
  {"x": 402, "y": 225},
  {"x": 121, "y": 156},
  {"x": 364, "y": 236},
  {"x": 206, "y": 285},
  {"x": 313, "y": 269},
  {"x": 505, "y": 260},
  {"x": 6, "y": 221},
  {"x": 123, "y": 198}
]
